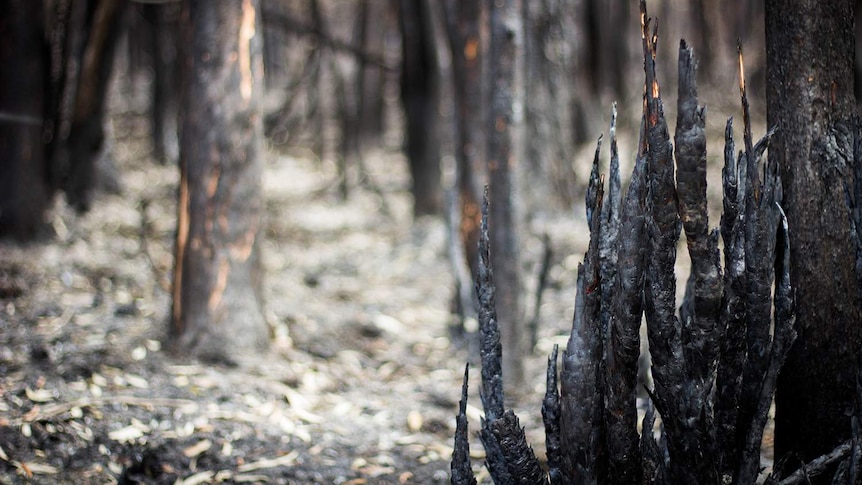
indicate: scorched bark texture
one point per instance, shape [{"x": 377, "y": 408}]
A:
[
  {"x": 217, "y": 311},
  {"x": 811, "y": 104}
]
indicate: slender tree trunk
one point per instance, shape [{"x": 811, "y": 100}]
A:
[
  {"x": 503, "y": 48},
  {"x": 462, "y": 25},
  {"x": 165, "y": 81},
  {"x": 217, "y": 308},
  {"x": 24, "y": 191},
  {"x": 420, "y": 95},
  {"x": 80, "y": 151},
  {"x": 810, "y": 102}
]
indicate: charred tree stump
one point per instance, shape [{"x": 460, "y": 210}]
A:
[{"x": 217, "y": 312}]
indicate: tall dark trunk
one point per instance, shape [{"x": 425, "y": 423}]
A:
[
  {"x": 420, "y": 96},
  {"x": 24, "y": 191},
  {"x": 810, "y": 102},
  {"x": 76, "y": 152},
  {"x": 163, "y": 34},
  {"x": 217, "y": 306}
]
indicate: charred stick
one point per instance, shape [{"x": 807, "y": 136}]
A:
[
  {"x": 544, "y": 269},
  {"x": 462, "y": 472},
  {"x": 551, "y": 419},
  {"x": 623, "y": 343},
  {"x": 785, "y": 334},
  {"x": 700, "y": 320},
  {"x": 610, "y": 220},
  {"x": 521, "y": 465},
  {"x": 489, "y": 333},
  {"x": 818, "y": 465},
  {"x": 732, "y": 347}
]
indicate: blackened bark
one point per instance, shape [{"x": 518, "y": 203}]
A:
[
  {"x": 217, "y": 308},
  {"x": 551, "y": 419},
  {"x": 680, "y": 396},
  {"x": 700, "y": 319},
  {"x": 623, "y": 342},
  {"x": 784, "y": 335},
  {"x": 489, "y": 331},
  {"x": 610, "y": 221},
  {"x": 582, "y": 377},
  {"x": 810, "y": 101},
  {"x": 732, "y": 349},
  {"x": 505, "y": 30},
  {"x": 462, "y": 472},
  {"x": 24, "y": 188},
  {"x": 420, "y": 96}
]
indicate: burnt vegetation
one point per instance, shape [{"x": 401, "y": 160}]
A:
[{"x": 715, "y": 358}]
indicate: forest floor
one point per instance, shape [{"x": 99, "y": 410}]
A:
[{"x": 362, "y": 381}]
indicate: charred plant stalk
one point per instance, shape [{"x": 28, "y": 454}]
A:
[
  {"x": 623, "y": 343},
  {"x": 701, "y": 308},
  {"x": 732, "y": 348},
  {"x": 681, "y": 399},
  {"x": 581, "y": 381},
  {"x": 760, "y": 229},
  {"x": 785, "y": 334},
  {"x": 551, "y": 419},
  {"x": 489, "y": 333},
  {"x": 462, "y": 472}
]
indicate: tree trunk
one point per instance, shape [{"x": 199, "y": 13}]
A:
[
  {"x": 505, "y": 36},
  {"x": 217, "y": 306},
  {"x": 24, "y": 192},
  {"x": 420, "y": 95},
  {"x": 77, "y": 155},
  {"x": 810, "y": 102},
  {"x": 462, "y": 25},
  {"x": 163, "y": 34}
]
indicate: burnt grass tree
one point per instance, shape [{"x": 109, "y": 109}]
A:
[{"x": 715, "y": 361}]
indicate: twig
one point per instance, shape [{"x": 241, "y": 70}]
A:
[{"x": 818, "y": 465}]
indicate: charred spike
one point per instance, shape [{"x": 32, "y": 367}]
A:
[
  {"x": 462, "y": 472},
  {"x": 489, "y": 333}
]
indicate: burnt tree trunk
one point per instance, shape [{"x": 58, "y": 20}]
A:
[
  {"x": 503, "y": 48},
  {"x": 88, "y": 66},
  {"x": 420, "y": 96},
  {"x": 24, "y": 191},
  {"x": 217, "y": 306},
  {"x": 163, "y": 35},
  {"x": 462, "y": 26},
  {"x": 811, "y": 103}
]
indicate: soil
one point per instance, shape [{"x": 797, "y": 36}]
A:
[{"x": 360, "y": 384}]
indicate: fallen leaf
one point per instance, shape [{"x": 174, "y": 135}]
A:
[
  {"x": 197, "y": 478},
  {"x": 197, "y": 448},
  {"x": 39, "y": 395},
  {"x": 127, "y": 434},
  {"x": 285, "y": 460}
]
